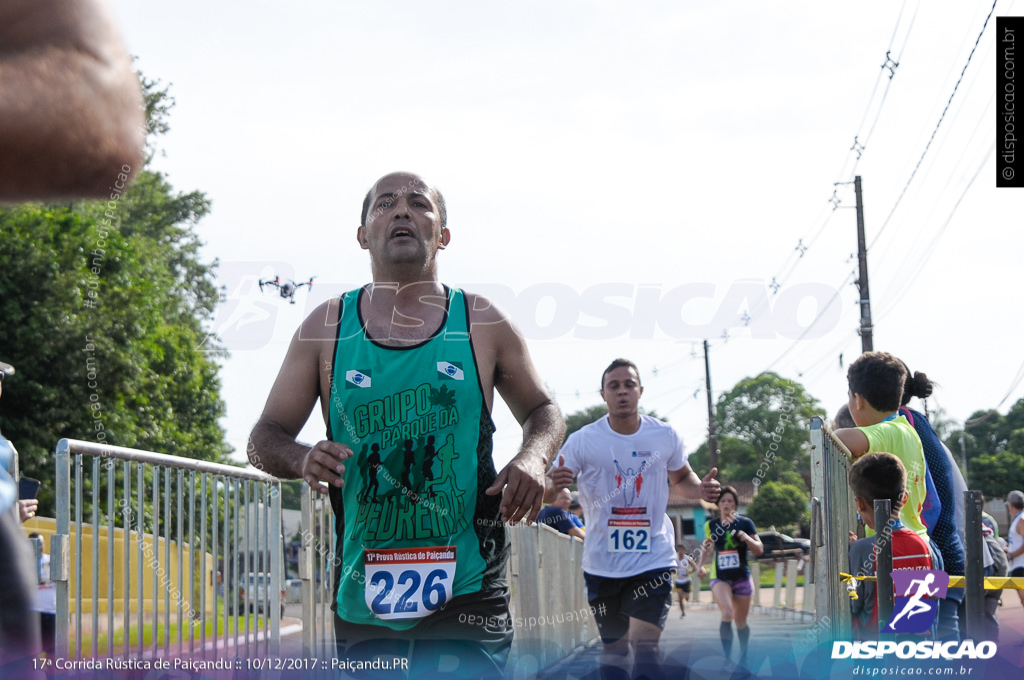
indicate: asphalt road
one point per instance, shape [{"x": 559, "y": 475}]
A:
[{"x": 693, "y": 642}]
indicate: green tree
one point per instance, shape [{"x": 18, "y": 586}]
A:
[
  {"x": 779, "y": 504},
  {"x": 104, "y": 308},
  {"x": 291, "y": 494},
  {"x": 737, "y": 460},
  {"x": 762, "y": 425},
  {"x": 996, "y": 474},
  {"x": 993, "y": 443},
  {"x": 578, "y": 419}
]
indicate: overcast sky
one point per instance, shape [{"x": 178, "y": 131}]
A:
[{"x": 625, "y": 179}]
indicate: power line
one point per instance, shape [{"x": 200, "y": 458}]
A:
[
  {"x": 1013, "y": 385},
  {"x": 934, "y": 241},
  {"x": 830, "y": 354},
  {"x": 935, "y": 131},
  {"x": 906, "y": 39},
  {"x": 805, "y": 243},
  {"x": 821, "y": 313}
]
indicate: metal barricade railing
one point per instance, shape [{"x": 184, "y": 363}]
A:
[
  {"x": 974, "y": 567},
  {"x": 788, "y": 596},
  {"x": 974, "y": 581},
  {"x": 832, "y": 517},
  {"x": 204, "y": 584},
  {"x": 316, "y": 571},
  {"x": 550, "y": 611}
]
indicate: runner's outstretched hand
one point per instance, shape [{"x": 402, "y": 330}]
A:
[
  {"x": 562, "y": 476},
  {"x": 710, "y": 488}
]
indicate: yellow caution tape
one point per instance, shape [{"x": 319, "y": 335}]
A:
[{"x": 991, "y": 582}]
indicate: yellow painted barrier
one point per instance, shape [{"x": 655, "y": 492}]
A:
[{"x": 152, "y": 556}]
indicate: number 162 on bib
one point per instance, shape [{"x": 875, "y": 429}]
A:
[{"x": 630, "y": 536}]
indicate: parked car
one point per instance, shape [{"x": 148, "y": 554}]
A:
[
  {"x": 780, "y": 546},
  {"x": 258, "y": 586},
  {"x": 233, "y": 598}
]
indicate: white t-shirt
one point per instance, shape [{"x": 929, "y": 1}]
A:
[
  {"x": 623, "y": 486},
  {"x": 1015, "y": 540}
]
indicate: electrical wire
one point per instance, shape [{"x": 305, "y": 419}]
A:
[
  {"x": 935, "y": 131},
  {"x": 982, "y": 123},
  {"x": 929, "y": 250},
  {"x": 1014, "y": 384},
  {"x": 821, "y": 313},
  {"x": 805, "y": 243}
]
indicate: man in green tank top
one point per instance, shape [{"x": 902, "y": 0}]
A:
[{"x": 405, "y": 369}]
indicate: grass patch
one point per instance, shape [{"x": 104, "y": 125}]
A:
[{"x": 175, "y": 633}]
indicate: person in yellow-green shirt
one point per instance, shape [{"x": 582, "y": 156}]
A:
[{"x": 876, "y": 387}]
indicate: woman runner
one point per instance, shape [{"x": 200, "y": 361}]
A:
[{"x": 730, "y": 536}]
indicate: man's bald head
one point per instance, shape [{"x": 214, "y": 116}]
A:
[{"x": 411, "y": 182}]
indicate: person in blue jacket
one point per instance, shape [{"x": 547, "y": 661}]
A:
[
  {"x": 557, "y": 516},
  {"x": 947, "y": 479},
  {"x": 19, "y": 636}
]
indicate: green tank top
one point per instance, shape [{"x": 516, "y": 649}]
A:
[{"x": 415, "y": 528}]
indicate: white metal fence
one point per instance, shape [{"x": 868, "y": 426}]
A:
[
  {"x": 832, "y": 517},
  {"x": 160, "y": 545},
  {"x": 316, "y": 571},
  {"x": 550, "y": 611},
  {"x": 788, "y": 596}
]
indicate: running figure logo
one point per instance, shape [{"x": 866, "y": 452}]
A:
[{"x": 911, "y": 613}]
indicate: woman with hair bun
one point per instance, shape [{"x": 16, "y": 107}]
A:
[
  {"x": 946, "y": 532},
  {"x": 729, "y": 537}
]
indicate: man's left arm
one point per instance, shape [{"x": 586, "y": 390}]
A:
[
  {"x": 517, "y": 381},
  {"x": 691, "y": 486}
]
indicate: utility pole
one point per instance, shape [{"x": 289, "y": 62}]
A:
[
  {"x": 712, "y": 437},
  {"x": 866, "y": 344}
]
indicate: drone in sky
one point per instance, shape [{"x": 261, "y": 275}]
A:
[{"x": 287, "y": 289}]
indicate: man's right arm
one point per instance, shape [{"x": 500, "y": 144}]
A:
[{"x": 273, "y": 447}]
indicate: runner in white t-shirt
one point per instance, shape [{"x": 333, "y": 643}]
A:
[
  {"x": 623, "y": 464},
  {"x": 1015, "y": 536}
]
